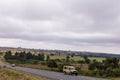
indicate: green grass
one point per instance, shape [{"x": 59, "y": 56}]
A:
[
  {"x": 98, "y": 59},
  {"x": 76, "y": 58},
  {"x": 57, "y": 57}
]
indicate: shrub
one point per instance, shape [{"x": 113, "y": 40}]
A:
[
  {"x": 52, "y": 64},
  {"x": 43, "y": 63},
  {"x": 35, "y": 62},
  {"x": 58, "y": 60},
  {"x": 60, "y": 67}
]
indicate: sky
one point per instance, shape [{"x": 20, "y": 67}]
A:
[{"x": 77, "y": 25}]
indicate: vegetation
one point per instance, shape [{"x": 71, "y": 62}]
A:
[
  {"x": 10, "y": 74},
  {"x": 90, "y": 66},
  {"x": 108, "y": 68},
  {"x": 23, "y": 57},
  {"x": 76, "y": 58}
]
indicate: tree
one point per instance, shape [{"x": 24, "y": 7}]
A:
[
  {"x": 16, "y": 55},
  {"x": 41, "y": 57},
  {"x": 52, "y": 64},
  {"x": 22, "y": 55},
  {"x": 8, "y": 55},
  {"x": 48, "y": 58},
  {"x": 29, "y": 55},
  {"x": 86, "y": 59},
  {"x": 111, "y": 62},
  {"x": 67, "y": 58},
  {"x": 72, "y": 55}
]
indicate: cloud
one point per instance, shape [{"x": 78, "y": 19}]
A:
[{"x": 62, "y": 22}]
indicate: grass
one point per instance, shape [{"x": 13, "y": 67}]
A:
[
  {"x": 38, "y": 66},
  {"x": 10, "y": 74},
  {"x": 114, "y": 78},
  {"x": 76, "y": 58}
]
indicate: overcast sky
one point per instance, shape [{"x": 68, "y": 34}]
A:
[{"x": 84, "y": 25}]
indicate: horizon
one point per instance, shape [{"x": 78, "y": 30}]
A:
[{"x": 58, "y": 50}]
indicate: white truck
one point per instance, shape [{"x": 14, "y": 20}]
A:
[{"x": 70, "y": 70}]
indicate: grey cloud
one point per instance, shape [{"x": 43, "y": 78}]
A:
[
  {"x": 104, "y": 13},
  {"x": 61, "y": 21},
  {"x": 32, "y": 10}
]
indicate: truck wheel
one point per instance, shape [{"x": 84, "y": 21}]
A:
[
  {"x": 70, "y": 73},
  {"x": 76, "y": 74}
]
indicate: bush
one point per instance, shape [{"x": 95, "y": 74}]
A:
[
  {"x": 13, "y": 61},
  {"x": 112, "y": 72},
  {"x": 78, "y": 69},
  {"x": 52, "y": 64},
  {"x": 32, "y": 61},
  {"x": 57, "y": 60},
  {"x": 23, "y": 61},
  {"x": 43, "y": 63},
  {"x": 35, "y": 62},
  {"x": 60, "y": 67}
]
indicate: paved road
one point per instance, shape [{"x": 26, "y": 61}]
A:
[{"x": 50, "y": 74}]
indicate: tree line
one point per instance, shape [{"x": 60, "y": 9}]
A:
[
  {"x": 28, "y": 57},
  {"x": 23, "y": 55}
]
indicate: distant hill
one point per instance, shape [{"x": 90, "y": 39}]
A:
[
  {"x": 93, "y": 54},
  {"x": 76, "y": 53}
]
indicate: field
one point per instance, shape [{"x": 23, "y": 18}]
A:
[
  {"x": 76, "y": 58},
  {"x": 9, "y": 74}
]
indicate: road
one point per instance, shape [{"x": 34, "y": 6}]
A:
[{"x": 50, "y": 74}]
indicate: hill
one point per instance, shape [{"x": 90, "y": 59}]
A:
[{"x": 60, "y": 52}]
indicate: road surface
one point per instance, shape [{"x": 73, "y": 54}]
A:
[{"x": 50, "y": 74}]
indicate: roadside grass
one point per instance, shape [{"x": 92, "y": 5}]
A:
[
  {"x": 10, "y": 74},
  {"x": 114, "y": 78},
  {"x": 38, "y": 66}
]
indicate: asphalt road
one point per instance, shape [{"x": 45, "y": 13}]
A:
[{"x": 50, "y": 74}]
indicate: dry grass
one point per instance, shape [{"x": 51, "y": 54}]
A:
[
  {"x": 81, "y": 66},
  {"x": 10, "y": 74},
  {"x": 114, "y": 78},
  {"x": 38, "y": 66}
]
